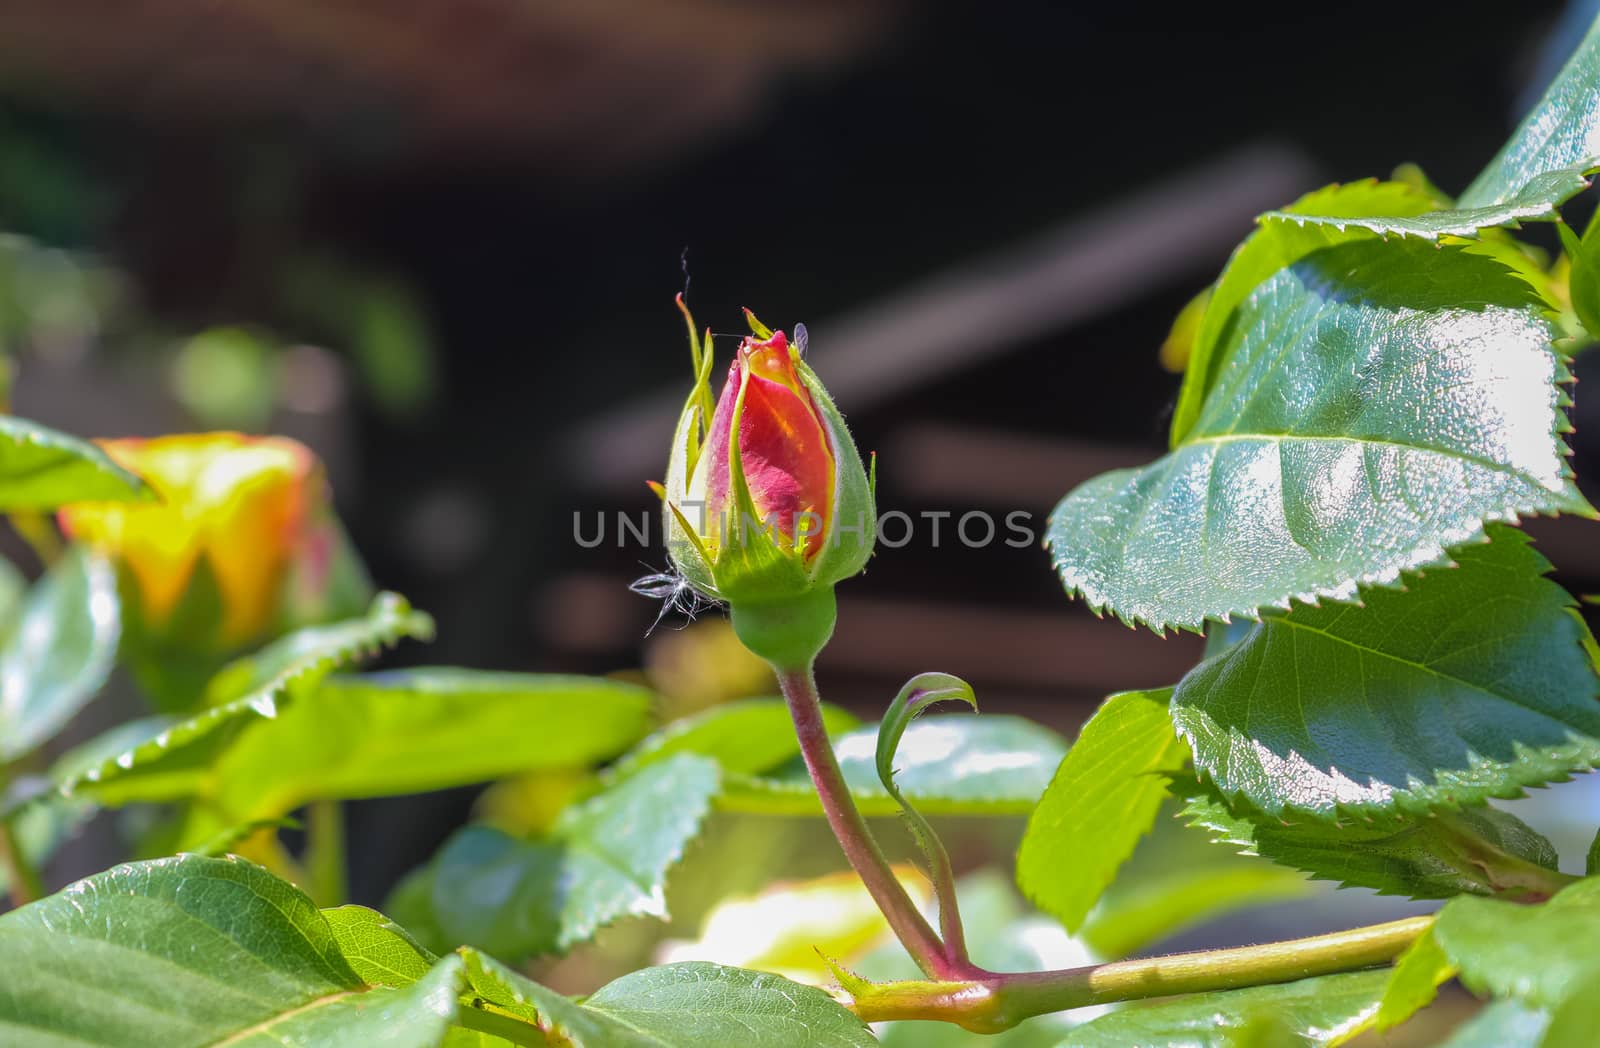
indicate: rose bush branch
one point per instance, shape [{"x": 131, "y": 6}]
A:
[{"x": 995, "y": 1001}]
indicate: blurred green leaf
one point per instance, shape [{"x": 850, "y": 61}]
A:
[
  {"x": 689, "y": 1005},
  {"x": 43, "y": 469},
  {"x": 195, "y": 951},
  {"x": 1398, "y": 705},
  {"x": 1102, "y": 800},
  {"x": 225, "y": 378},
  {"x": 1311, "y": 1012},
  {"x": 175, "y": 762},
  {"x": 1415, "y": 981},
  {"x": 1177, "y": 878},
  {"x": 60, "y": 651},
  {"x": 1540, "y": 955},
  {"x": 1504, "y": 1024},
  {"x": 946, "y": 764},
  {"x": 606, "y": 859},
  {"x": 382, "y": 734},
  {"x": 745, "y": 736}
]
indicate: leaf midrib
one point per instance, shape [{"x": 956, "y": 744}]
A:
[{"x": 1275, "y": 438}]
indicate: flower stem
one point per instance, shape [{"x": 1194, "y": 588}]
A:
[
  {"x": 996, "y": 1001},
  {"x": 325, "y": 851},
  {"x": 850, "y": 829}
]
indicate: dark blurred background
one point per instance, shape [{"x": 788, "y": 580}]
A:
[{"x": 439, "y": 241}]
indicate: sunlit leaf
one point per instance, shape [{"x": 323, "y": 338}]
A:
[
  {"x": 174, "y": 759},
  {"x": 1311, "y": 1012},
  {"x": 1102, "y": 800},
  {"x": 195, "y": 951},
  {"x": 1472, "y": 683},
  {"x": 606, "y": 859},
  {"x": 746, "y": 736},
  {"x": 1561, "y": 132},
  {"x": 1375, "y": 404},
  {"x": 947, "y": 764},
  {"x": 1541, "y": 955}
]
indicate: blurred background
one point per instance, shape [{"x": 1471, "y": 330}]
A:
[{"x": 439, "y": 242}]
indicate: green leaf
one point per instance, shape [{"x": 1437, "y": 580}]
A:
[
  {"x": 1415, "y": 981},
  {"x": 1321, "y": 1011},
  {"x": 689, "y": 1005},
  {"x": 408, "y": 731},
  {"x": 1482, "y": 852},
  {"x": 1562, "y": 131},
  {"x": 1178, "y": 878},
  {"x": 59, "y": 653},
  {"x": 1360, "y": 424},
  {"x": 696, "y": 1003},
  {"x": 198, "y": 951},
  {"x": 745, "y": 737},
  {"x": 946, "y": 764},
  {"x": 1277, "y": 245},
  {"x": 1502, "y": 1024},
  {"x": 606, "y": 859},
  {"x": 1583, "y": 278},
  {"x": 1103, "y": 799},
  {"x": 1591, "y": 863},
  {"x": 1401, "y": 705},
  {"x": 42, "y": 469},
  {"x": 378, "y": 950},
  {"x": 1538, "y": 954},
  {"x": 174, "y": 762},
  {"x": 1536, "y": 200},
  {"x": 919, "y": 693}
]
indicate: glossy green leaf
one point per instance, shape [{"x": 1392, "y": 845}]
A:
[
  {"x": 1402, "y": 704},
  {"x": 1537, "y": 200},
  {"x": 198, "y": 951},
  {"x": 947, "y": 764},
  {"x": 1479, "y": 851},
  {"x": 382, "y": 734},
  {"x": 1334, "y": 214},
  {"x": 1375, "y": 403},
  {"x": 1102, "y": 800},
  {"x": 174, "y": 761},
  {"x": 1562, "y": 132},
  {"x": 1538, "y": 954},
  {"x": 1415, "y": 981},
  {"x": 42, "y": 469},
  {"x": 1321, "y": 1011},
  {"x": 606, "y": 859},
  {"x": 745, "y": 737},
  {"x": 59, "y": 653}
]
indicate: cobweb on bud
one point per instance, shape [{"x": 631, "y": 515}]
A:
[{"x": 675, "y": 592}]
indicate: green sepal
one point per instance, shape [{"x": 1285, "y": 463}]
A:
[
  {"x": 788, "y": 633},
  {"x": 853, "y": 523}
]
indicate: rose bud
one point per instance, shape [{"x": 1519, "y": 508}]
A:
[
  {"x": 767, "y": 505},
  {"x": 249, "y": 514}
]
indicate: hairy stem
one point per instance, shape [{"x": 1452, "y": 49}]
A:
[
  {"x": 22, "y": 879},
  {"x": 998, "y": 1001},
  {"x": 918, "y": 937}
]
